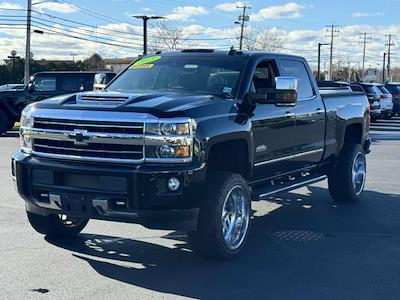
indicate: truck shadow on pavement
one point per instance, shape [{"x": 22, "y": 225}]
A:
[{"x": 306, "y": 247}]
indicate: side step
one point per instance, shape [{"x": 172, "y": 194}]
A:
[{"x": 286, "y": 187}]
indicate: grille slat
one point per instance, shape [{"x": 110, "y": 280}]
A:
[
  {"x": 88, "y": 148},
  {"x": 90, "y": 126}
]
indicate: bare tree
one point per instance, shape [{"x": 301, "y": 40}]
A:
[
  {"x": 169, "y": 36},
  {"x": 264, "y": 39}
]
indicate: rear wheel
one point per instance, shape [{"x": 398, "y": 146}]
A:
[
  {"x": 57, "y": 225},
  {"x": 347, "y": 179},
  {"x": 4, "y": 122},
  {"x": 224, "y": 218}
]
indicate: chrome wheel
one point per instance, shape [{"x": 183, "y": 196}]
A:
[
  {"x": 71, "y": 222},
  {"x": 359, "y": 173},
  {"x": 235, "y": 217}
]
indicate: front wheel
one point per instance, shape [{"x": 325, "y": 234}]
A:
[
  {"x": 57, "y": 225},
  {"x": 347, "y": 179},
  {"x": 224, "y": 218}
]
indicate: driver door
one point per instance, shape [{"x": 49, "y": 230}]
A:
[
  {"x": 43, "y": 87},
  {"x": 273, "y": 127}
]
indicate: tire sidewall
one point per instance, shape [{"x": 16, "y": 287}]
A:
[{"x": 232, "y": 181}]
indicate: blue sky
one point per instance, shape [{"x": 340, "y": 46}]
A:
[{"x": 301, "y": 23}]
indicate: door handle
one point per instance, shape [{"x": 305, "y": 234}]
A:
[
  {"x": 319, "y": 111},
  {"x": 289, "y": 114}
]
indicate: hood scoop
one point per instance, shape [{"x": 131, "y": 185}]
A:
[{"x": 102, "y": 98}]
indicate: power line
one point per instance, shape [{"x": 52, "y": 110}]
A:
[
  {"x": 46, "y": 30},
  {"x": 81, "y": 31}
]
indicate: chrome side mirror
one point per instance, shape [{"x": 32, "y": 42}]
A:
[{"x": 286, "y": 90}]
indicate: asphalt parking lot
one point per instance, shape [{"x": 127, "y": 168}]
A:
[{"x": 302, "y": 246}]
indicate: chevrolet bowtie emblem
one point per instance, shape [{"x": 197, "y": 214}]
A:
[{"x": 79, "y": 137}]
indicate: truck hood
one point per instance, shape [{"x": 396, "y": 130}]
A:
[{"x": 159, "y": 104}]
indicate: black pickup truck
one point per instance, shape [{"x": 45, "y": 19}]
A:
[{"x": 184, "y": 141}]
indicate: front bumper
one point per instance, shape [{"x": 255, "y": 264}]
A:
[{"x": 132, "y": 194}]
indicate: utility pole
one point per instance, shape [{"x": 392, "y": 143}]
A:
[
  {"x": 145, "y": 19},
  {"x": 383, "y": 68},
  {"x": 319, "y": 60},
  {"x": 365, "y": 40},
  {"x": 28, "y": 43},
  {"x": 242, "y": 21},
  {"x": 333, "y": 32},
  {"x": 389, "y": 44},
  {"x": 73, "y": 56}
]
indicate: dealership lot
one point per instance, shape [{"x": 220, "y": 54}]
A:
[{"x": 302, "y": 246}]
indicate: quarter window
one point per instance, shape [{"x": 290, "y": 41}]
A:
[{"x": 298, "y": 70}]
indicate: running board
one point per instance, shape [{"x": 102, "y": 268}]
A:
[{"x": 263, "y": 193}]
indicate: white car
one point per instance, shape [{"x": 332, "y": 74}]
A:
[{"x": 386, "y": 101}]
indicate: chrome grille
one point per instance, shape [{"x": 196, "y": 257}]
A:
[
  {"x": 88, "y": 140},
  {"x": 90, "y": 126}
]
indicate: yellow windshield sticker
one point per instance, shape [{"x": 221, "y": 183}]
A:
[
  {"x": 146, "y": 61},
  {"x": 142, "y": 66}
]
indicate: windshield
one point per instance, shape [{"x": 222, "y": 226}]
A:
[
  {"x": 211, "y": 75},
  {"x": 370, "y": 89}
]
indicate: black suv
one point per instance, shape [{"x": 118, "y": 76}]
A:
[{"x": 43, "y": 85}]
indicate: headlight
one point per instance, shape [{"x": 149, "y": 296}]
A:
[
  {"x": 170, "y": 141},
  {"x": 169, "y": 128},
  {"x": 26, "y": 117},
  {"x": 27, "y": 122}
]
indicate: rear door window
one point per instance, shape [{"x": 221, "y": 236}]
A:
[
  {"x": 383, "y": 89},
  {"x": 70, "y": 84},
  {"x": 297, "y": 69}
]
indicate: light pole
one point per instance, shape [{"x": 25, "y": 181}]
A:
[
  {"x": 145, "y": 19},
  {"x": 13, "y": 57}
]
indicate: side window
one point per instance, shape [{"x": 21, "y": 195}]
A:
[
  {"x": 298, "y": 70},
  {"x": 70, "y": 84},
  {"x": 45, "y": 84},
  {"x": 263, "y": 77}
]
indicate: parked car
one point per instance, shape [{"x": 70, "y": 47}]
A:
[
  {"x": 185, "y": 141},
  {"x": 43, "y": 85},
  {"x": 386, "y": 101},
  {"x": 374, "y": 98},
  {"x": 394, "y": 89},
  {"x": 101, "y": 80}
]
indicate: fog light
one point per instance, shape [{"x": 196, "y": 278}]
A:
[
  {"x": 173, "y": 184},
  {"x": 166, "y": 152}
]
